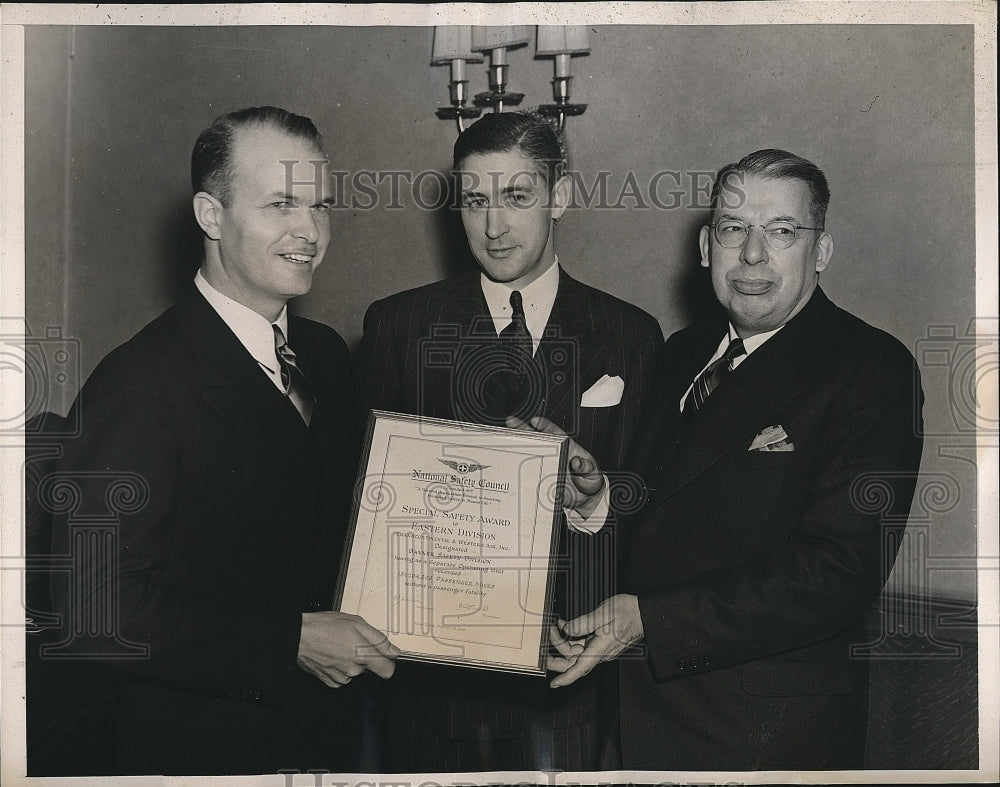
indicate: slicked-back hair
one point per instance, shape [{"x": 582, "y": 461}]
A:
[
  {"x": 211, "y": 160},
  {"x": 524, "y": 132},
  {"x": 776, "y": 164}
]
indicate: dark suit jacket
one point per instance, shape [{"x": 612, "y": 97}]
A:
[
  {"x": 753, "y": 569},
  {"x": 227, "y": 527},
  {"x": 423, "y": 351}
]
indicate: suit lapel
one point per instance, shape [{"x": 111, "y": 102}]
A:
[
  {"x": 465, "y": 307},
  {"x": 570, "y": 322},
  {"x": 234, "y": 385},
  {"x": 655, "y": 445},
  {"x": 759, "y": 389},
  {"x": 323, "y": 375},
  {"x": 457, "y": 322}
]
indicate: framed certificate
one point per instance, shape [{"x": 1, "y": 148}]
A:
[{"x": 453, "y": 532}]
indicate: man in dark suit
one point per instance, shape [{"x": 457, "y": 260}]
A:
[
  {"x": 761, "y": 544},
  {"x": 584, "y": 361},
  {"x": 214, "y": 438}
]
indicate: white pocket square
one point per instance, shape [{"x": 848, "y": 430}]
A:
[
  {"x": 606, "y": 392},
  {"x": 774, "y": 438}
]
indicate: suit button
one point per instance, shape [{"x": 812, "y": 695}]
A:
[
  {"x": 706, "y": 661},
  {"x": 682, "y": 665},
  {"x": 661, "y": 470}
]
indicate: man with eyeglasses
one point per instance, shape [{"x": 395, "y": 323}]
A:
[{"x": 779, "y": 458}]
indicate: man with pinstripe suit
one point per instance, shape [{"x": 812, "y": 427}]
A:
[{"x": 434, "y": 351}]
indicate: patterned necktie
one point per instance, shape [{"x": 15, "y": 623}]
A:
[
  {"x": 709, "y": 379},
  {"x": 516, "y": 337},
  {"x": 292, "y": 379},
  {"x": 504, "y": 391}
]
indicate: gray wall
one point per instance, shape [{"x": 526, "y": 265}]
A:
[{"x": 886, "y": 111}]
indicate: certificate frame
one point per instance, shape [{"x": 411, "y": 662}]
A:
[{"x": 453, "y": 531}]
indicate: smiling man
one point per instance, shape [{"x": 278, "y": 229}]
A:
[
  {"x": 225, "y": 558},
  {"x": 578, "y": 356},
  {"x": 779, "y": 441}
]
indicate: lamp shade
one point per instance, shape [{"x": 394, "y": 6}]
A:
[
  {"x": 562, "y": 40},
  {"x": 453, "y": 42},
  {"x": 487, "y": 38}
]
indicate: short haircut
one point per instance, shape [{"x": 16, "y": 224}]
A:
[
  {"x": 779, "y": 165},
  {"x": 525, "y": 132},
  {"x": 211, "y": 160}
]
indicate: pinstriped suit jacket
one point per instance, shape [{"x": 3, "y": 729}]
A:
[{"x": 425, "y": 351}]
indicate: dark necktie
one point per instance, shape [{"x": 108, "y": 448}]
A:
[
  {"x": 710, "y": 379},
  {"x": 292, "y": 379},
  {"x": 516, "y": 337},
  {"x": 509, "y": 372}
]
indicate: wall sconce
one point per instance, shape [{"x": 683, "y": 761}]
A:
[
  {"x": 496, "y": 41},
  {"x": 458, "y": 45},
  {"x": 562, "y": 43},
  {"x": 453, "y": 44}
]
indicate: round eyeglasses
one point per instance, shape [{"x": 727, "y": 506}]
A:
[{"x": 778, "y": 234}]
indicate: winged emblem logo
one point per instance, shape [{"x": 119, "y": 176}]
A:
[{"x": 462, "y": 467}]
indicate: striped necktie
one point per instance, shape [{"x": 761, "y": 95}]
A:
[
  {"x": 292, "y": 379},
  {"x": 710, "y": 379}
]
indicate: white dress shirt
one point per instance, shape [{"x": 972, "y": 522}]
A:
[
  {"x": 537, "y": 299},
  {"x": 254, "y": 332}
]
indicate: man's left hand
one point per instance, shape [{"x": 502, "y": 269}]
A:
[{"x": 612, "y": 628}]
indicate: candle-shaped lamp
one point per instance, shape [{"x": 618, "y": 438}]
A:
[
  {"x": 562, "y": 42},
  {"x": 453, "y": 45},
  {"x": 496, "y": 41}
]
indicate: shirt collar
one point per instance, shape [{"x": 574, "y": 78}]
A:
[
  {"x": 751, "y": 343},
  {"x": 537, "y": 298},
  {"x": 254, "y": 331}
]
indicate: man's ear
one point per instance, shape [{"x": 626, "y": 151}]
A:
[
  {"x": 704, "y": 240},
  {"x": 562, "y": 192},
  {"x": 824, "y": 251},
  {"x": 208, "y": 213}
]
